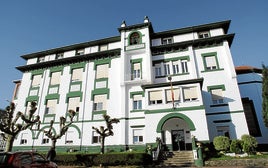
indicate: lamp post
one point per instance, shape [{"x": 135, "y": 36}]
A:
[{"x": 171, "y": 89}]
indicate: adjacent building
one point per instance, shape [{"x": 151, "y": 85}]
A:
[{"x": 172, "y": 84}]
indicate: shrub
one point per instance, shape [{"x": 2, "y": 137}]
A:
[
  {"x": 221, "y": 143},
  {"x": 236, "y": 146},
  {"x": 249, "y": 143}
]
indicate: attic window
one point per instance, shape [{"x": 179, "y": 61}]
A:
[
  {"x": 134, "y": 38},
  {"x": 204, "y": 34}
]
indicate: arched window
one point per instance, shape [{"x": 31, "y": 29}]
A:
[{"x": 134, "y": 38}]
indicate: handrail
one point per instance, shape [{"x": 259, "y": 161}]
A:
[{"x": 158, "y": 150}]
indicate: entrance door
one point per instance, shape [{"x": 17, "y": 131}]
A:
[{"x": 178, "y": 141}]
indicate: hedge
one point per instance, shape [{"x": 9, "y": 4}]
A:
[{"x": 109, "y": 159}]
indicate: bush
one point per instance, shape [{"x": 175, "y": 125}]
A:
[
  {"x": 235, "y": 146},
  {"x": 221, "y": 143},
  {"x": 249, "y": 144}
]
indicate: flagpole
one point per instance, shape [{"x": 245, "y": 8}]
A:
[{"x": 172, "y": 92}]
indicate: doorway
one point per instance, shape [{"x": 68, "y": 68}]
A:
[{"x": 178, "y": 140}]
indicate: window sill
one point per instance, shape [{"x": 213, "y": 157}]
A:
[
  {"x": 137, "y": 110},
  {"x": 212, "y": 70}
]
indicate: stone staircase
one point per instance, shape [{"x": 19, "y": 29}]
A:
[{"x": 179, "y": 159}]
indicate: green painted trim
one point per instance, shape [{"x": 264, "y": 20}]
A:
[
  {"x": 34, "y": 88},
  {"x": 102, "y": 62},
  {"x": 136, "y": 31},
  {"x": 211, "y": 54},
  {"x": 139, "y": 60},
  {"x": 42, "y": 130},
  {"x": 51, "y": 97},
  {"x": 32, "y": 98},
  {"x": 221, "y": 69},
  {"x": 209, "y": 88},
  {"x": 100, "y": 80},
  {"x": 132, "y": 118},
  {"x": 37, "y": 72},
  {"x": 177, "y": 58},
  {"x": 74, "y": 94},
  {"x": 175, "y": 115},
  {"x": 137, "y": 126},
  {"x": 56, "y": 69},
  {"x": 136, "y": 111},
  {"x": 137, "y": 93},
  {"x": 175, "y": 110},
  {"x": 77, "y": 66},
  {"x": 100, "y": 92},
  {"x": 78, "y": 130}
]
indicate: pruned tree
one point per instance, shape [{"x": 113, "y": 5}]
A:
[
  {"x": 105, "y": 132},
  {"x": 265, "y": 94},
  {"x": 63, "y": 128},
  {"x": 10, "y": 127}
]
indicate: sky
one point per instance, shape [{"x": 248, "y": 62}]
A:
[{"x": 31, "y": 26}]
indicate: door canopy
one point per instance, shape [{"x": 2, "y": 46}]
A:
[{"x": 175, "y": 115}]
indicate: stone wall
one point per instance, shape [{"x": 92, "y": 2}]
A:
[{"x": 238, "y": 162}]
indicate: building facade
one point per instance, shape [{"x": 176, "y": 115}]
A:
[{"x": 173, "y": 84}]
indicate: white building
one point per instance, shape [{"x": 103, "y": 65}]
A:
[{"x": 172, "y": 84}]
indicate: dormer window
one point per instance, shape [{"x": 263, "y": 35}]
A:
[
  {"x": 134, "y": 38},
  {"x": 80, "y": 52},
  {"x": 167, "y": 41},
  {"x": 103, "y": 47},
  {"x": 204, "y": 34},
  {"x": 59, "y": 55},
  {"x": 41, "y": 59}
]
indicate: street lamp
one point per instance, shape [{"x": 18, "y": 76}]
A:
[{"x": 171, "y": 89}]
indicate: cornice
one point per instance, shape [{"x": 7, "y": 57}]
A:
[
  {"x": 69, "y": 60},
  {"x": 72, "y": 47},
  {"x": 204, "y": 27}
]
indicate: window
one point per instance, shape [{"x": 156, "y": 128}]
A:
[
  {"x": 176, "y": 67},
  {"x": 167, "y": 41},
  {"x": 102, "y": 71},
  {"x": 137, "y": 136},
  {"x": 210, "y": 61},
  {"x": 23, "y": 138},
  {"x": 51, "y": 106},
  {"x": 104, "y": 47},
  {"x": 166, "y": 69},
  {"x": 95, "y": 137},
  {"x": 55, "y": 78},
  {"x": 136, "y": 72},
  {"x": 203, "y": 34},
  {"x": 99, "y": 102},
  {"x": 134, "y": 38},
  {"x": 59, "y": 55},
  {"x": 157, "y": 68},
  {"x": 137, "y": 102},
  {"x": 217, "y": 96},
  {"x": 36, "y": 80},
  {"x": 77, "y": 74},
  {"x": 45, "y": 139},
  {"x": 80, "y": 52},
  {"x": 74, "y": 104},
  {"x": 223, "y": 131},
  {"x": 184, "y": 66},
  {"x": 155, "y": 97},
  {"x": 189, "y": 93},
  {"x": 175, "y": 96},
  {"x": 40, "y": 59}
]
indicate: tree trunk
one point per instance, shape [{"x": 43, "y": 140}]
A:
[
  {"x": 53, "y": 145},
  {"x": 9, "y": 143},
  {"x": 102, "y": 144}
]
